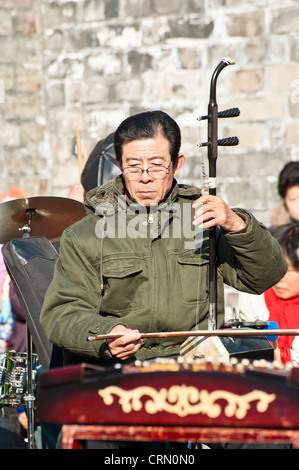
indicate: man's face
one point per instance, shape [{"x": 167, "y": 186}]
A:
[{"x": 147, "y": 189}]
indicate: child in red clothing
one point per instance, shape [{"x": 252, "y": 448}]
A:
[{"x": 280, "y": 303}]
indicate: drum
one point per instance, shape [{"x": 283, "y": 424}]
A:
[{"x": 13, "y": 378}]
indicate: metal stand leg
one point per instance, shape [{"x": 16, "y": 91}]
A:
[{"x": 29, "y": 397}]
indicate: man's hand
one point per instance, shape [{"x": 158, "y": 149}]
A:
[
  {"x": 212, "y": 210},
  {"x": 127, "y": 345}
]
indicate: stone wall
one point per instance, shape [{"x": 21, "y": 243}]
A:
[{"x": 88, "y": 64}]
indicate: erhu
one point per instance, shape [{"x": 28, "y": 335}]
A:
[{"x": 210, "y": 183}]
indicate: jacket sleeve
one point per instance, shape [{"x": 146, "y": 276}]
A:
[
  {"x": 71, "y": 307},
  {"x": 254, "y": 254}
]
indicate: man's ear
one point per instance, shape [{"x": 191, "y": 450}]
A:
[
  {"x": 119, "y": 163},
  {"x": 180, "y": 162}
]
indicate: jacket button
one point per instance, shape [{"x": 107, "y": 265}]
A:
[{"x": 97, "y": 327}]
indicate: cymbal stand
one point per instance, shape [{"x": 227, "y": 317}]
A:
[
  {"x": 29, "y": 397},
  {"x": 26, "y": 229}
]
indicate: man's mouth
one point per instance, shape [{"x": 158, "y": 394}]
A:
[{"x": 146, "y": 193}]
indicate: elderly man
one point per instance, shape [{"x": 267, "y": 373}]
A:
[{"x": 138, "y": 262}]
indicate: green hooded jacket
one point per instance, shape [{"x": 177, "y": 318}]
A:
[{"x": 148, "y": 271}]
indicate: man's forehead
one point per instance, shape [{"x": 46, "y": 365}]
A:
[
  {"x": 152, "y": 148},
  {"x": 145, "y": 157}
]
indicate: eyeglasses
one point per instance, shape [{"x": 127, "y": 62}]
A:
[{"x": 156, "y": 171}]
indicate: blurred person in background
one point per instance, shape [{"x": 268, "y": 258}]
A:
[
  {"x": 288, "y": 189},
  {"x": 280, "y": 303},
  {"x": 13, "y": 336}
]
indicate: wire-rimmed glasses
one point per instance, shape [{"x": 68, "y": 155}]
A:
[{"x": 154, "y": 171}]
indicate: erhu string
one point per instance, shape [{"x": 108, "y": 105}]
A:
[{"x": 204, "y": 178}]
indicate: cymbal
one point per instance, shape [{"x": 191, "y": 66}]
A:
[{"x": 44, "y": 216}]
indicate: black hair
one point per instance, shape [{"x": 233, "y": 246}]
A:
[
  {"x": 147, "y": 125},
  {"x": 288, "y": 177},
  {"x": 288, "y": 239}
]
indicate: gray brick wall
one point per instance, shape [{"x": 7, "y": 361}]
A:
[{"x": 88, "y": 64}]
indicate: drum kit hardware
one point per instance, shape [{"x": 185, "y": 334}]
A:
[
  {"x": 13, "y": 379},
  {"x": 23, "y": 218},
  {"x": 46, "y": 216}
]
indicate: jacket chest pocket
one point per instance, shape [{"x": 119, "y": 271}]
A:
[
  {"x": 193, "y": 271},
  {"x": 124, "y": 285}
]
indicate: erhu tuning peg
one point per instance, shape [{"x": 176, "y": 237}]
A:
[
  {"x": 227, "y": 113},
  {"x": 226, "y": 142}
]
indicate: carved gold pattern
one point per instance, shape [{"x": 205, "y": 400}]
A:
[{"x": 184, "y": 400}]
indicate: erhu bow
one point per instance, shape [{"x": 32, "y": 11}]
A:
[
  {"x": 204, "y": 333},
  {"x": 210, "y": 184}
]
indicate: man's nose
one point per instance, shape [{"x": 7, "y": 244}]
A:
[{"x": 145, "y": 175}]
